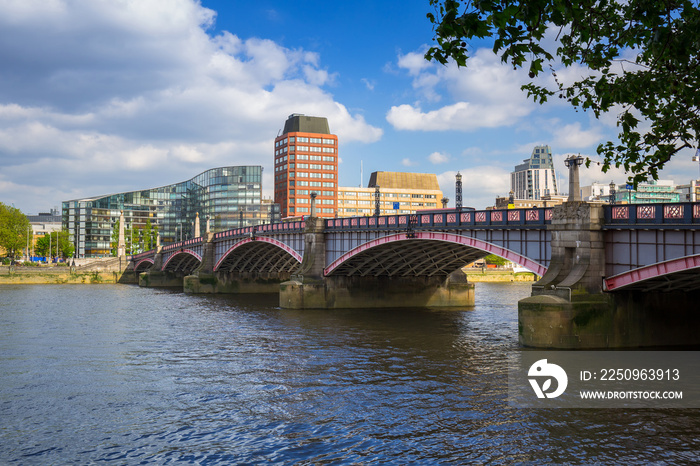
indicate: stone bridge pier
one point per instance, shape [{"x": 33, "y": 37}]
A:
[
  {"x": 569, "y": 307},
  {"x": 310, "y": 289}
]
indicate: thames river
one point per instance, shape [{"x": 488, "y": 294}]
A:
[{"x": 129, "y": 375}]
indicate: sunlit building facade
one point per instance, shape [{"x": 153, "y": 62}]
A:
[
  {"x": 306, "y": 161},
  {"x": 535, "y": 177},
  {"x": 398, "y": 193},
  {"x": 229, "y": 197}
]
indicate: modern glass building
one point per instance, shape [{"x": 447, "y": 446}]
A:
[
  {"x": 229, "y": 197},
  {"x": 535, "y": 177}
]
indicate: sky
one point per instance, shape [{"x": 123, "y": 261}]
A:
[{"x": 108, "y": 96}]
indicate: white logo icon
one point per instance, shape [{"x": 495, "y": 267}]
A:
[{"x": 551, "y": 371}]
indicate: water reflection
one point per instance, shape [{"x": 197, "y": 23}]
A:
[{"x": 135, "y": 375}]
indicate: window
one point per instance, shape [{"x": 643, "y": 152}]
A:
[
  {"x": 291, "y": 139},
  {"x": 302, "y": 183},
  {"x": 315, "y": 157},
  {"x": 327, "y": 201},
  {"x": 328, "y": 167},
  {"x": 302, "y": 174},
  {"x": 302, "y": 157},
  {"x": 291, "y": 148},
  {"x": 329, "y": 150},
  {"x": 303, "y": 209},
  {"x": 328, "y": 175},
  {"x": 315, "y": 140},
  {"x": 302, "y": 165},
  {"x": 327, "y": 211},
  {"x": 303, "y": 148},
  {"x": 318, "y": 175},
  {"x": 315, "y": 166},
  {"x": 329, "y": 141},
  {"x": 328, "y": 193},
  {"x": 302, "y": 201},
  {"x": 303, "y": 191},
  {"x": 314, "y": 149},
  {"x": 315, "y": 184},
  {"x": 302, "y": 139},
  {"x": 327, "y": 184}
]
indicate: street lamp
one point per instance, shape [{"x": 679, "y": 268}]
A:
[
  {"x": 612, "y": 192},
  {"x": 572, "y": 163},
  {"x": 458, "y": 191}
]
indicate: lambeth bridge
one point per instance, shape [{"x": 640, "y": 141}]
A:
[{"x": 601, "y": 266}]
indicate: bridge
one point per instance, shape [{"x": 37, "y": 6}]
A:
[{"x": 599, "y": 264}]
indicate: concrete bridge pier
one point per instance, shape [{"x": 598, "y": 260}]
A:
[
  {"x": 568, "y": 308},
  {"x": 157, "y": 278},
  {"x": 309, "y": 289}
]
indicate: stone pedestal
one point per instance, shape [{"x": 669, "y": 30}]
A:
[{"x": 377, "y": 292}]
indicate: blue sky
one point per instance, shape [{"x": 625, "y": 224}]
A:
[{"x": 104, "y": 96}]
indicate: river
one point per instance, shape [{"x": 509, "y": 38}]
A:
[{"x": 129, "y": 375}]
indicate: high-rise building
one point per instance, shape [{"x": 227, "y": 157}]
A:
[
  {"x": 306, "y": 161},
  {"x": 399, "y": 193},
  {"x": 535, "y": 177},
  {"x": 229, "y": 197}
]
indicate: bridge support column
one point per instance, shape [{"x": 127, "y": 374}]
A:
[
  {"x": 157, "y": 278},
  {"x": 378, "y": 292},
  {"x": 231, "y": 283},
  {"x": 568, "y": 308}
]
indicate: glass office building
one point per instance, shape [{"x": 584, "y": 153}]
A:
[{"x": 230, "y": 197}]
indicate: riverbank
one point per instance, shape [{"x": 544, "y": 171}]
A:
[
  {"x": 59, "y": 275},
  {"x": 498, "y": 275}
]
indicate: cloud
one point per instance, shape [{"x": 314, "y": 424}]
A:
[
  {"x": 480, "y": 185},
  {"x": 139, "y": 95},
  {"x": 486, "y": 95},
  {"x": 408, "y": 162},
  {"x": 437, "y": 158}
]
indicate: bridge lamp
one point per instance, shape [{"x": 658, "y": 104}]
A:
[
  {"x": 612, "y": 192},
  {"x": 572, "y": 163}
]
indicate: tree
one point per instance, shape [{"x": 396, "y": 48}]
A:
[
  {"x": 642, "y": 57},
  {"x": 14, "y": 227},
  {"x": 61, "y": 238},
  {"x": 494, "y": 259}
]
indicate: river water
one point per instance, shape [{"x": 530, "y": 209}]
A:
[{"x": 129, "y": 375}]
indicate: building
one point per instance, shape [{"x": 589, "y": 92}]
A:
[
  {"x": 44, "y": 224},
  {"x": 689, "y": 192},
  {"x": 399, "y": 193},
  {"x": 306, "y": 161},
  {"x": 652, "y": 192},
  {"x": 229, "y": 197},
  {"x": 547, "y": 201},
  {"x": 535, "y": 177},
  {"x": 596, "y": 192}
]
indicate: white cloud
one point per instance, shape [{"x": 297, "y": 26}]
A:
[
  {"x": 486, "y": 95},
  {"x": 406, "y": 162},
  {"x": 480, "y": 185},
  {"x": 437, "y": 158},
  {"x": 137, "y": 94}
]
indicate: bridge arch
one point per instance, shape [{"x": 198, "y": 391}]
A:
[
  {"x": 259, "y": 254},
  {"x": 144, "y": 264},
  {"x": 425, "y": 253},
  {"x": 673, "y": 274},
  {"x": 183, "y": 260}
]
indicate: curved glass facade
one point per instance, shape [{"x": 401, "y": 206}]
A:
[{"x": 230, "y": 197}]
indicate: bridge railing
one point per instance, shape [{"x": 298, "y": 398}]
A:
[
  {"x": 270, "y": 228},
  {"x": 449, "y": 219},
  {"x": 683, "y": 213},
  {"x": 184, "y": 244}
]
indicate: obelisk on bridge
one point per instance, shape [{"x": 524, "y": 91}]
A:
[
  {"x": 121, "y": 245},
  {"x": 197, "y": 232}
]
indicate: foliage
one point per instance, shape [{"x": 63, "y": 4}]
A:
[
  {"x": 642, "y": 57},
  {"x": 60, "y": 238},
  {"x": 14, "y": 228},
  {"x": 136, "y": 239},
  {"x": 493, "y": 259}
]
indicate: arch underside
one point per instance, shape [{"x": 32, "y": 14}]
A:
[
  {"x": 681, "y": 274},
  {"x": 144, "y": 265},
  {"x": 427, "y": 254},
  {"x": 184, "y": 261},
  {"x": 258, "y": 257}
]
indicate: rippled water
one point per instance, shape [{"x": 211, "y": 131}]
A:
[{"x": 133, "y": 376}]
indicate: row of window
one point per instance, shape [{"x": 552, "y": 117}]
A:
[
  {"x": 305, "y": 192},
  {"x": 312, "y": 175},
  {"x": 390, "y": 195},
  {"x": 283, "y": 150},
  {"x": 283, "y": 142},
  {"x": 313, "y": 158},
  {"x": 302, "y": 200}
]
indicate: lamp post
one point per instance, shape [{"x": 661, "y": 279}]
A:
[
  {"x": 612, "y": 192},
  {"x": 458, "y": 191},
  {"x": 572, "y": 163},
  {"x": 444, "y": 201}
]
